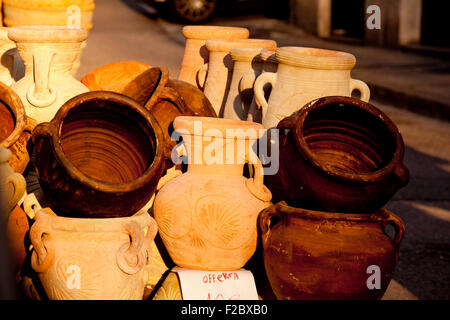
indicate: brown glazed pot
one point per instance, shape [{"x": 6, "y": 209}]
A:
[
  {"x": 340, "y": 154},
  {"x": 15, "y": 128},
  {"x": 321, "y": 255},
  {"x": 102, "y": 155}
]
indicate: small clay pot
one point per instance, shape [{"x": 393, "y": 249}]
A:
[
  {"x": 15, "y": 129},
  {"x": 321, "y": 255},
  {"x": 340, "y": 154},
  {"x": 101, "y": 156}
]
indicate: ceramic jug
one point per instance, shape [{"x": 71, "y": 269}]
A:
[
  {"x": 11, "y": 66},
  {"x": 247, "y": 65},
  {"x": 12, "y": 185},
  {"x": 195, "y": 52},
  {"x": 305, "y": 74},
  {"x": 92, "y": 259},
  {"x": 50, "y": 54},
  {"x": 220, "y": 68},
  {"x": 207, "y": 216},
  {"x": 325, "y": 255}
]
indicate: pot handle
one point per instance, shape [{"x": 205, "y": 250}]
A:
[
  {"x": 247, "y": 81},
  {"x": 258, "y": 88},
  {"x": 265, "y": 220},
  {"x": 18, "y": 185},
  {"x": 256, "y": 184},
  {"x": 362, "y": 87},
  {"x": 402, "y": 172},
  {"x": 201, "y": 76},
  {"x": 42, "y": 93},
  {"x": 398, "y": 225},
  {"x": 287, "y": 123},
  {"x": 42, "y": 130},
  {"x": 43, "y": 254},
  {"x": 130, "y": 257},
  {"x": 152, "y": 230}
]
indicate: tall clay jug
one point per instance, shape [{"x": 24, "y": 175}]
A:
[
  {"x": 207, "y": 216},
  {"x": 195, "y": 52},
  {"x": 220, "y": 68},
  {"x": 305, "y": 74},
  {"x": 51, "y": 55}
]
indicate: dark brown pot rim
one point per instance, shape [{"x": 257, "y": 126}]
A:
[
  {"x": 76, "y": 174},
  {"x": 12, "y": 101},
  {"x": 306, "y": 152}
]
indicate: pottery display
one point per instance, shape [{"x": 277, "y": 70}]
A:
[
  {"x": 11, "y": 67},
  {"x": 247, "y": 66},
  {"x": 220, "y": 67},
  {"x": 195, "y": 52},
  {"x": 340, "y": 154},
  {"x": 207, "y": 216},
  {"x": 322, "y": 255},
  {"x": 305, "y": 74},
  {"x": 92, "y": 259},
  {"x": 49, "y": 12},
  {"x": 101, "y": 156},
  {"x": 51, "y": 54},
  {"x": 15, "y": 129},
  {"x": 12, "y": 185}
]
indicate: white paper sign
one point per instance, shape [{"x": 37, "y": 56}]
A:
[{"x": 217, "y": 285}]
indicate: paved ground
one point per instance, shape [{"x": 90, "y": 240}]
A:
[{"x": 423, "y": 271}]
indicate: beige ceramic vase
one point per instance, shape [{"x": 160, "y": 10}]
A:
[
  {"x": 92, "y": 258},
  {"x": 12, "y": 185},
  {"x": 195, "y": 52},
  {"x": 78, "y": 13},
  {"x": 247, "y": 66},
  {"x": 220, "y": 68},
  {"x": 303, "y": 75},
  {"x": 51, "y": 55},
  {"x": 207, "y": 216},
  {"x": 11, "y": 66}
]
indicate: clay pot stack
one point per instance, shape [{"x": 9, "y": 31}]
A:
[{"x": 131, "y": 171}]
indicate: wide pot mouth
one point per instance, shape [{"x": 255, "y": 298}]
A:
[
  {"x": 107, "y": 141},
  {"x": 225, "y": 45},
  {"x": 47, "y": 34},
  {"x": 12, "y": 114},
  {"x": 214, "y": 32},
  {"x": 348, "y": 139},
  {"x": 50, "y": 5},
  {"x": 315, "y": 58}
]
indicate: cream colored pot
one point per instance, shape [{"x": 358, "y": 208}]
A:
[{"x": 305, "y": 74}]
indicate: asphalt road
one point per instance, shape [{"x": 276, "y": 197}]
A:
[{"x": 423, "y": 271}]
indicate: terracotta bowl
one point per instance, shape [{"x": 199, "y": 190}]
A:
[
  {"x": 101, "y": 156},
  {"x": 321, "y": 255},
  {"x": 340, "y": 154}
]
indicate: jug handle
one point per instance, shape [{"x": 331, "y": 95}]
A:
[
  {"x": 256, "y": 184},
  {"x": 362, "y": 87},
  {"x": 42, "y": 93},
  {"x": 402, "y": 172},
  {"x": 152, "y": 230},
  {"x": 18, "y": 186},
  {"x": 130, "y": 257},
  {"x": 258, "y": 88},
  {"x": 265, "y": 220},
  {"x": 247, "y": 81},
  {"x": 201, "y": 76},
  {"x": 43, "y": 255},
  {"x": 398, "y": 225}
]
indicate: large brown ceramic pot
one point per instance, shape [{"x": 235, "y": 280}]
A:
[
  {"x": 339, "y": 154},
  {"x": 101, "y": 156},
  {"x": 320, "y": 255}
]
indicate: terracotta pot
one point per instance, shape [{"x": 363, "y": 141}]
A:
[
  {"x": 305, "y": 74},
  {"x": 220, "y": 67},
  {"x": 114, "y": 76},
  {"x": 195, "y": 52},
  {"x": 17, "y": 237},
  {"x": 247, "y": 66},
  {"x": 48, "y": 12},
  {"x": 11, "y": 67},
  {"x": 12, "y": 185},
  {"x": 320, "y": 255},
  {"x": 15, "y": 131},
  {"x": 51, "y": 55},
  {"x": 340, "y": 155},
  {"x": 92, "y": 259},
  {"x": 207, "y": 216},
  {"x": 101, "y": 156}
]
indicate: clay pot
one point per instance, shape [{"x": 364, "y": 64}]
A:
[
  {"x": 92, "y": 259},
  {"x": 51, "y": 55},
  {"x": 11, "y": 67},
  {"x": 320, "y": 255},
  {"x": 48, "y": 12},
  {"x": 207, "y": 216},
  {"x": 195, "y": 52},
  {"x": 113, "y": 76},
  {"x": 16, "y": 234},
  {"x": 101, "y": 156},
  {"x": 220, "y": 67},
  {"x": 305, "y": 74},
  {"x": 15, "y": 131},
  {"x": 12, "y": 185},
  {"x": 340, "y": 154}
]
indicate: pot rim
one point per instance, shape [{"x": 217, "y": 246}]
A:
[
  {"x": 214, "y": 32},
  {"x": 225, "y": 45},
  {"x": 13, "y": 102},
  {"x": 305, "y": 151},
  {"x": 75, "y": 173},
  {"x": 47, "y": 34}
]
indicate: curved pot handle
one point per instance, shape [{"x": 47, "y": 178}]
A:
[
  {"x": 42, "y": 130},
  {"x": 152, "y": 230},
  {"x": 258, "y": 87},
  {"x": 247, "y": 81},
  {"x": 362, "y": 87},
  {"x": 398, "y": 225},
  {"x": 402, "y": 173},
  {"x": 19, "y": 186},
  {"x": 43, "y": 254},
  {"x": 265, "y": 221},
  {"x": 201, "y": 76},
  {"x": 256, "y": 184},
  {"x": 130, "y": 257},
  {"x": 42, "y": 93}
]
